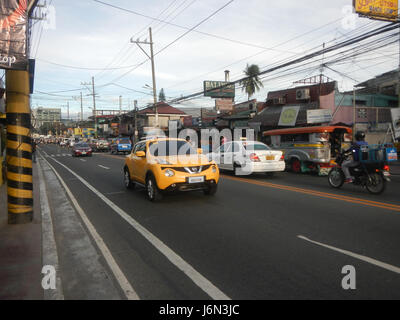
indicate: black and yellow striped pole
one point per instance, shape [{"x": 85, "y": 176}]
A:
[{"x": 19, "y": 148}]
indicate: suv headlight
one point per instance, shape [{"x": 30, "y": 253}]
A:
[{"x": 169, "y": 173}]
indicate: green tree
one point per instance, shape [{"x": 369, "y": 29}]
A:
[
  {"x": 252, "y": 83},
  {"x": 161, "y": 96}
]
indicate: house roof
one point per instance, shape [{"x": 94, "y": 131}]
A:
[{"x": 162, "y": 108}]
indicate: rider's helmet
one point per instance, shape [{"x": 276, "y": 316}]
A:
[{"x": 360, "y": 136}]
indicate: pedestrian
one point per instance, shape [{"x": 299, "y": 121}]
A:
[{"x": 34, "y": 150}]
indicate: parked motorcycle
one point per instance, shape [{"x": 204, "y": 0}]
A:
[{"x": 373, "y": 176}]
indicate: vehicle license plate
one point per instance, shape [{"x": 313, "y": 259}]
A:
[
  {"x": 196, "y": 179},
  {"x": 270, "y": 157},
  {"x": 83, "y": 152}
]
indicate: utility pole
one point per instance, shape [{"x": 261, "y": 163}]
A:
[
  {"x": 120, "y": 105},
  {"x": 136, "y": 128},
  {"x": 94, "y": 104},
  {"x": 68, "y": 110},
  {"x": 151, "y": 57},
  {"x": 94, "y": 109},
  {"x": 81, "y": 108}
]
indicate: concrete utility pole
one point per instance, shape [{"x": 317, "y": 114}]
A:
[
  {"x": 136, "y": 128},
  {"x": 81, "y": 107},
  {"x": 19, "y": 148},
  {"x": 68, "y": 110},
  {"x": 94, "y": 109},
  {"x": 120, "y": 105},
  {"x": 151, "y": 57},
  {"x": 94, "y": 104}
]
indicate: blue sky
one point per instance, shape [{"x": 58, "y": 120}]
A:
[{"x": 88, "y": 34}]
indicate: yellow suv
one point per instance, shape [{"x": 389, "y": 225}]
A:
[{"x": 167, "y": 164}]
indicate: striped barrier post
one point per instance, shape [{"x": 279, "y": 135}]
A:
[{"x": 19, "y": 148}]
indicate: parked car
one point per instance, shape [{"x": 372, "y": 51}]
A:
[
  {"x": 169, "y": 165},
  {"x": 121, "y": 145},
  {"x": 247, "y": 157},
  {"x": 81, "y": 149}
]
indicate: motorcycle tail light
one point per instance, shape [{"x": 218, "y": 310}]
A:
[{"x": 386, "y": 168}]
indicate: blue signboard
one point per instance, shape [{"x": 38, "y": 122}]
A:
[{"x": 391, "y": 154}]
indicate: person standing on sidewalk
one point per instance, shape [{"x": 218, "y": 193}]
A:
[{"x": 34, "y": 150}]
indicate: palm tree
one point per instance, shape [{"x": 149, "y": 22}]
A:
[{"x": 252, "y": 82}]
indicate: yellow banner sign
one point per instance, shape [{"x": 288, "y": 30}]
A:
[{"x": 382, "y": 9}]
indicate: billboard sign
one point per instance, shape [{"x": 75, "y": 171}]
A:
[
  {"x": 212, "y": 89},
  {"x": 288, "y": 116},
  {"x": 319, "y": 116},
  {"x": 223, "y": 104},
  {"x": 396, "y": 122},
  {"x": 380, "y": 9},
  {"x": 13, "y": 34}
]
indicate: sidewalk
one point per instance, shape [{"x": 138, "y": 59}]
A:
[
  {"x": 20, "y": 252},
  {"x": 55, "y": 238}
]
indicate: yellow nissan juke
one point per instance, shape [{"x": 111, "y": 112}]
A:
[{"x": 167, "y": 165}]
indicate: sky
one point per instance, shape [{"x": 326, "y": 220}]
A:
[{"x": 82, "y": 39}]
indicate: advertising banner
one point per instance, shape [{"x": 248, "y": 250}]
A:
[
  {"x": 13, "y": 34},
  {"x": 381, "y": 9},
  {"x": 396, "y": 122},
  {"x": 225, "y": 92},
  {"x": 223, "y": 104},
  {"x": 319, "y": 116},
  {"x": 288, "y": 116}
]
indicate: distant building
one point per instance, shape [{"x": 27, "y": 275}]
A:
[
  {"x": 45, "y": 115},
  {"x": 372, "y": 107}
]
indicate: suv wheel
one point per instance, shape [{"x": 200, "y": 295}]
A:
[
  {"x": 153, "y": 193},
  {"x": 211, "y": 190},
  {"x": 127, "y": 180}
]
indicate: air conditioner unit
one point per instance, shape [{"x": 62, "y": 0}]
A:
[
  {"x": 303, "y": 94},
  {"x": 279, "y": 101}
]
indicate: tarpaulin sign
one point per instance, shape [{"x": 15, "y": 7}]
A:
[
  {"x": 13, "y": 34},
  {"x": 391, "y": 154}
]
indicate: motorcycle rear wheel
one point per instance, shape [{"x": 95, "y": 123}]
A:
[
  {"x": 377, "y": 184},
  {"x": 336, "y": 178}
]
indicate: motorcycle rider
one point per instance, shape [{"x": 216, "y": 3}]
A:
[{"x": 354, "y": 149}]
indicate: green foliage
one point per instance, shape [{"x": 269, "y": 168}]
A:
[{"x": 252, "y": 83}]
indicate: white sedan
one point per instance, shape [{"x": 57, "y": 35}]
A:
[{"x": 247, "y": 157}]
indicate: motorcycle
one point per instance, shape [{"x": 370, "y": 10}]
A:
[{"x": 372, "y": 176}]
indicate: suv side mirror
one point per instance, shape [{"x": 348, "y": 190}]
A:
[{"x": 140, "y": 154}]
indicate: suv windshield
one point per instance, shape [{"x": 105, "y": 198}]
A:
[
  {"x": 170, "y": 148},
  {"x": 124, "y": 141}
]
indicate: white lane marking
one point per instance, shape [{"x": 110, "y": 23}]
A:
[
  {"x": 173, "y": 257},
  {"x": 355, "y": 255},
  {"x": 83, "y": 160},
  {"x": 103, "y": 167},
  {"x": 49, "y": 246},
  {"x": 113, "y": 193},
  {"x": 130, "y": 293}
]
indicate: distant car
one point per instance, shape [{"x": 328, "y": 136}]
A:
[
  {"x": 121, "y": 145},
  {"x": 247, "y": 157},
  {"x": 100, "y": 145},
  {"x": 81, "y": 149}
]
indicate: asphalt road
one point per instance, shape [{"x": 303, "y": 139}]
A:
[{"x": 284, "y": 237}]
